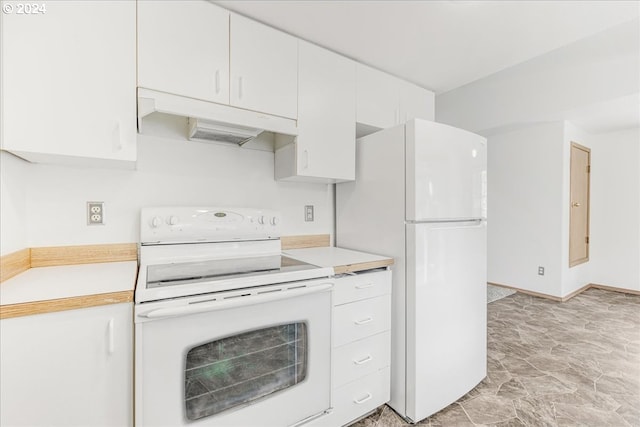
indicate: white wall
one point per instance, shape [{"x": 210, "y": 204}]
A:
[
  {"x": 13, "y": 203},
  {"x": 615, "y": 209},
  {"x": 589, "y": 72},
  {"x": 529, "y": 202},
  {"x": 169, "y": 172},
  {"x": 525, "y": 173}
]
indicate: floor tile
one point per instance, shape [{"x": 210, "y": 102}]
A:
[{"x": 553, "y": 364}]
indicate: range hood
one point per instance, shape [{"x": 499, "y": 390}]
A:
[
  {"x": 203, "y": 130},
  {"x": 209, "y": 121}
]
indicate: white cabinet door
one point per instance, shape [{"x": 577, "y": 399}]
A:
[
  {"x": 377, "y": 98},
  {"x": 68, "y": 368},
  {"x": 68, "y": 81},
  {"x": 264, "y": 68},
  {"x": 183, "y": 49},
  {"x": 326, "y": 143},
  {"x": 415, "y": 102}
]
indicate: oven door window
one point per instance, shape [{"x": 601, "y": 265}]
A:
[{"x": 239, "y": 369}]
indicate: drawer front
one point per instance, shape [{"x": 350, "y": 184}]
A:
[
  {"x": 355, "y": 399},
  {"x": 361, "y": 286},
  {"x": 360, "y": 358},
  {"x": 361, "y": 319}
]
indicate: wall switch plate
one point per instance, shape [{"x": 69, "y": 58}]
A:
[
  {"x": 95, "y": 213},
  {"x": 308, "y": 213},
  {"x": 540, "y": 271}
]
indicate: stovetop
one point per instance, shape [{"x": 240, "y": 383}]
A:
[
  {"x": 176, "y": 274},
  {"x": 186, "y": 251}
]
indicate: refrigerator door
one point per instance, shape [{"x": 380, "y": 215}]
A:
[
  {"x": 446, "y": 172},
  {"x": 446, "y": 314}
]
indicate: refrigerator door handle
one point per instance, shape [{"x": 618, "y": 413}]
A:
[{"x": 436, "y": 221}]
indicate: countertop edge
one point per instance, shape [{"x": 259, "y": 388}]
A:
[
  {"x": 62, "y": 304},
  {"x": 361, "y": 266}
]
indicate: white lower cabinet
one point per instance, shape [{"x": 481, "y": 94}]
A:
[
  {"x": 361, "y": 352},
  {"x": 70, "y": 368},
  {"x": 360, "y": 358}
]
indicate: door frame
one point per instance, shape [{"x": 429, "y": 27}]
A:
[{"x": 573, "y": 263}]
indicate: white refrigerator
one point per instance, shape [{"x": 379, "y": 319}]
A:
[{"x": 420, "y": 197}]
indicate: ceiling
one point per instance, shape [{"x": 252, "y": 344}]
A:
[{"x": 440, "y": 45}]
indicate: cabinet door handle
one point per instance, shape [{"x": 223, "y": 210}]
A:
[
  {"x": 364, "y": 399},
  {"x": 117, "y": 137},
  {"x": 217, "y": 82},
  {"x": 306, "y": 159},
  {"x": 110, "y": 337},
  {"x": 365, "y": 286},
  {"x": 363, "y": 321},
  {"x": 363, "y": 361},
  {"x": 240, "y": 87}
]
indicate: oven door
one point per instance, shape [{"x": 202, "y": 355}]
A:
[{"x": 256, "y": 357}]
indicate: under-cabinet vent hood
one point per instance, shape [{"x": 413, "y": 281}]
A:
[
  {"x": 210, "y": 121},
  {"x": 202, "y": 130}
]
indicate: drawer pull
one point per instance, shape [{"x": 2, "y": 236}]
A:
[
  {"x": 364, "y": 399},
  {"x": 365, "y": 286},
  {"x": 363, "y": 361},
  {"x": 363, "y": 321}
]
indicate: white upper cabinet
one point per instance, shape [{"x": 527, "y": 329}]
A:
[
  {"x": 264, "y": 68},
  {"x": 183, "y": 49},
  {"x": 377, "y": 98},
  {"x": 384, "y": 101},
  {"x": 416, "y": 102},
  {"x": 68, "y": 82},
  {"x": 326, "y": 144}
]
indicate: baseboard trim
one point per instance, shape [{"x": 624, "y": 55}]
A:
[
  {"x": 569, "y": 296},
  {"x": 614, "y": 289},
  {"x": 527, "y": 292}
]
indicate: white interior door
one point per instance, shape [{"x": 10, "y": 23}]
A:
[
  {"x": 446, "y": 172},
  {"x": 446, "y": 313}
]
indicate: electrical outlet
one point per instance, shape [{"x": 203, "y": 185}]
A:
[
  {"x": 95, "y": 213},
  {"x": 540, "y": 271},
  {"x": 308, "y": 213}
]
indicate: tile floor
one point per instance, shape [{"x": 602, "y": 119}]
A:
[
  {"x": 575, "y": 363},
  {"x": 495, "y": 293}
]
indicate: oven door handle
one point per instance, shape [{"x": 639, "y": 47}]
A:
[{"x": 233, "y": 302}]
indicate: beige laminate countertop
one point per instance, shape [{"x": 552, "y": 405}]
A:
[
  {"x": 342, "y": 260},
  {"x": 48, "y": 289}
]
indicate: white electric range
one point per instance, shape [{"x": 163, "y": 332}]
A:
[{"x": 228, "y": 331}]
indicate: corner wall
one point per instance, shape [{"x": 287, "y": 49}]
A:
[
  {"x": 615, "y": 209},
  {"x": 525, "y": 172},
  {"x": 13, "y": 203}
]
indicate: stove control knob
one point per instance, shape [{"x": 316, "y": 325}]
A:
[
  {"x": 173, "y": 220},
  {"x": 275, "y": 220},
  {"x": 156, "y": 222},
  {"x": 261, "y": 220}
]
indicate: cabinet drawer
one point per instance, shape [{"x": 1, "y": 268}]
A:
[
  {"x": 361, "y": 286},
  {"x": 360, "y": 319},
  {"x": 355, "y": 399},
  {"x": 360, "y": 358}
]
